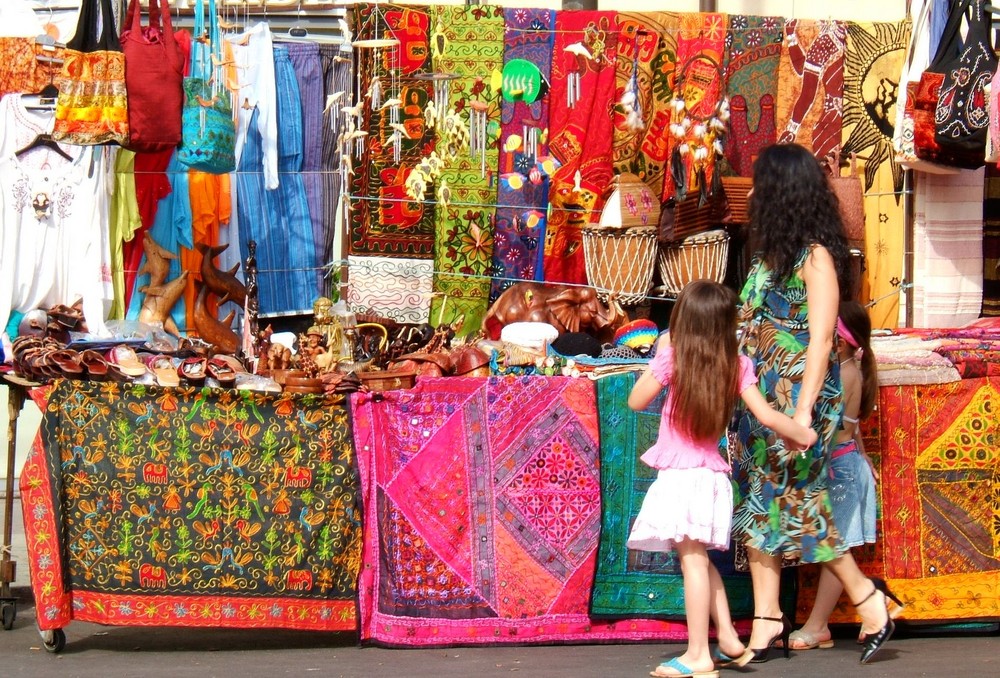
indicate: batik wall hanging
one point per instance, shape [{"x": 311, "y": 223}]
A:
[
  {"x": 631, "y": 583},
  {"x": 811, "y": 84},
  {"x": 752, "y": 60},
  {"x": 872, "y": 66},
  {"x": 384, "y": 219},
  {"x": 391, "y": 286},
  {"x": 523, "y": 190},
  {"x": 189, "y": 507},
  {"x": 482, "y": 513},
  {"x": 647, "y": 48},
  {"x": 938, "y": 535},
  {"x": 583, "y": 90},
  {"x": 467, "y": 43}
]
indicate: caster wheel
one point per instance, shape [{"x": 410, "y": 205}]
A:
[
  {"x": 54, "y": 640},
  {"x": 8, "y": 612}
]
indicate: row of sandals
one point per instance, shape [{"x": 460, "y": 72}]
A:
[{"x": 43, "y": 359}]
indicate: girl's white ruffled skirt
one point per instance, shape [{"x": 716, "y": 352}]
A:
[{"x": 692, "y": 503}]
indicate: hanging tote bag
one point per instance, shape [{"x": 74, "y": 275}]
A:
[
  {"x": 917, "y": 58},
  {"x": 92, "y": 106},
  {"x": 208, "y": 134},
  {"x": 962, "y": 117},
  {"x": 851, "y": 196},
  {"x": 154, "y": 76},
  {"x": 926, "y": 98}
]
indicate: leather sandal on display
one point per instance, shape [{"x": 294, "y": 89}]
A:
[
  {"x": 222, "y": 372},
  {"x": 193, "y": 370},
  {"x": 761, "y": 655},
  {"x": 126, "y": 359},
  {"x": 163, "y": 369},
  {"x": 68, "y": 362},
  {"x": 94, "y": 364}
]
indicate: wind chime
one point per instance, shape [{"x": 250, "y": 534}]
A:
[
  {"x": 478, "y": 133},
  {"x": 384, "y": 60},
  {"x": 582, "y": 56}
]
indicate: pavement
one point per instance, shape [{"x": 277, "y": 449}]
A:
[{"x": 95, "y": 651}]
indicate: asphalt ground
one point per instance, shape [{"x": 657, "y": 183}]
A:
[{"x": 95, "y": 651}]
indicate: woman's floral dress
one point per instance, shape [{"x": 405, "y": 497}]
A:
[{"x": 783, "y": 508}]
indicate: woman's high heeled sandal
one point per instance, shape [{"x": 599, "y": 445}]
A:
[
  {"x": 894, "y": 611},
  {"x": 760, "y": 656},
  {"x": 874, "y": 641}
]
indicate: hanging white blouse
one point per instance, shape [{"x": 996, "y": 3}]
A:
[
  {"x": 53, "y": 222},
  {"x": 253, "y": 55}
]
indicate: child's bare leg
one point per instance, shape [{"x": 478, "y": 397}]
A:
[
  {"x": 698, "y": 598},
  {"x": 729, "y": 640}
]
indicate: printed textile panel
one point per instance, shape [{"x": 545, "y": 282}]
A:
[
  {"x": 393, "y": 288},
  {"x": 482, "y": 512},
  {"x": 192, "y": 507},
  {"x": 752, "y": 57},
  {"x": 936, "y": 448},
  {"x": 646, "y": 58},
  {"x": 811, "y": 84},
  {"x": 384, "y": 220},
  {"x": 631, "y": 583}
]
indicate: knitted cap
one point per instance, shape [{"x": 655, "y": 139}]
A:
[{"x": 637, "y": 334}]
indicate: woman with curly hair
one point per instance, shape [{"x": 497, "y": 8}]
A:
[{"x": 789, "y": 319}]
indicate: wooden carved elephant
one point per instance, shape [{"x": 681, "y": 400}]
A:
[{"x": 568, "y": 309}]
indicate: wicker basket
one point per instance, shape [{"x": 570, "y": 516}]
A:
[
  {"x": 700, "y": 256},
  {"x": 737, "y": 190},
  {"x": 687, "y": 217},
  {"x": 620, "y": 262}
]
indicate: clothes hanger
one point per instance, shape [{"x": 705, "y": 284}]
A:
[{"x": 44, "y": 141}]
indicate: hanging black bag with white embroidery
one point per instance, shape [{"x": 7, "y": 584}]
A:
[{"x": 962, "y": 116}]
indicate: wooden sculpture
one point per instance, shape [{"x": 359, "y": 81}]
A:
[
  {"x": 211, "y": 330},
  {"x": 159, "y": 301},
  {"x": 223, "y": 284},
  {"x": 157, "y": 262}
]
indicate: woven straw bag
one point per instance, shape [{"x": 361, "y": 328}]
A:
[{"x": 851, "y": 196}]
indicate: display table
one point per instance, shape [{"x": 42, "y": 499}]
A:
[
  {"x": 192, "y": 507},
  {"x": 938, "y": 452}
]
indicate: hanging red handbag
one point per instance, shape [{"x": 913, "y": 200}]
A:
[
  {"x": 154, "y": 76},
  {"x": 925, "y": 100}
]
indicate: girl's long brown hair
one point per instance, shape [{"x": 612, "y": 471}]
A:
[
  {"x": 705, "y": 378},
  {"x": 855, "y": 317}
]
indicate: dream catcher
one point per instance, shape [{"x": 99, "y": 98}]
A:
[
  {"x": 700, "y": 117},
  {"x": 630, "y": 101}
]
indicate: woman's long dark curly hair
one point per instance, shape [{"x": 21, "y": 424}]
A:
[{"x": 792, "y": 207}]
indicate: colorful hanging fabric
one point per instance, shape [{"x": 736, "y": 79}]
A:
[
  {"x": 193, "y": 507},
  {"x": 523, "y": 194},
  {"x": 811, "y": 84},
  {"x": 384, "y": 221},
  {"x": 647, "y": 45},
  {"x": 392, "y": 287},
  {"x": 583, "y": 90},
  {"x": 872, "y": 66},
  {"x": 700, "y": 109},
  {"x": 752, "y": 83},
  {"x": 490, "y": 488},
  {"x": 628, "y": 583},
  {"x": 467, "y": 43}
]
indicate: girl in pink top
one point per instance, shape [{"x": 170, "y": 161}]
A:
[{"x": 689, "y": 506}]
